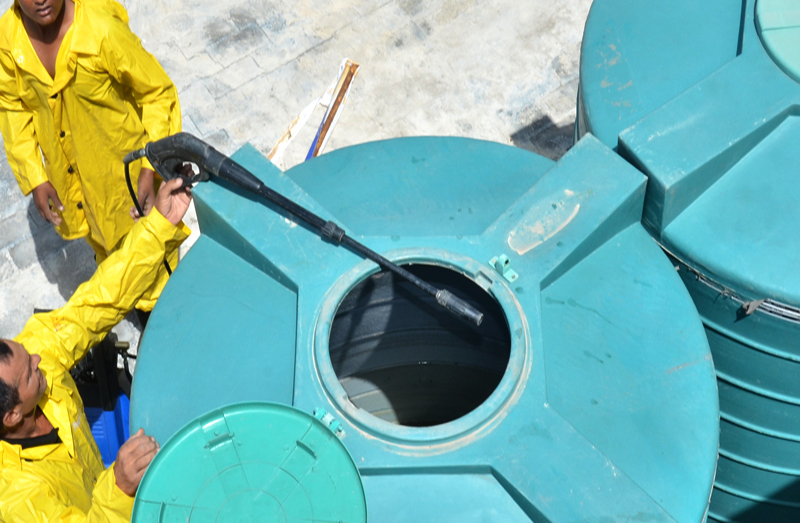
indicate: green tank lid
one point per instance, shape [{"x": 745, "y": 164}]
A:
[
  {"x": 778, "y": 23},
  {"x": 253, "y": 462}
]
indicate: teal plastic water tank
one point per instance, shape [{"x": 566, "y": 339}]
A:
[
  {"x": 703, "y": 98},
  {"x": 587, "y": 394}
]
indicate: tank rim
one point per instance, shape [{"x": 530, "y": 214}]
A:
[{"x": 465, "y": 426}]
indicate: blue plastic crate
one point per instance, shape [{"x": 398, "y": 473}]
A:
[{"x": 110, "y": 428}]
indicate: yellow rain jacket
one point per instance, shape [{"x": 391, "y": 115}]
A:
[
  {"x": 108, "y": 98},
  {"x": 67, "y": 482}
]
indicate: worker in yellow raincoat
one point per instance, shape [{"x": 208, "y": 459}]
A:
[
  {"x": 50, "y": 468},
  {"x": 78, "y": 92}
]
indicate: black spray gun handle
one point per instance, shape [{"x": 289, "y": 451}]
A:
[{"x": 169, "y": 154}]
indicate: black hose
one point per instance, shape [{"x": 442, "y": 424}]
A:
[{"x": 131, "y": 157}]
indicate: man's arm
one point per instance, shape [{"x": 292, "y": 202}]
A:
[
  {"x": 131, "y": 65},
  {"x": 116, "y": 286},
  {"x": 26, "y": 498},
  {"x": 22, "y": 146}
]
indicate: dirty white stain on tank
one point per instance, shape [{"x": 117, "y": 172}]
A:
[{"x": 543, "y": 221}]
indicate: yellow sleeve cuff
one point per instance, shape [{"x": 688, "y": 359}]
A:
[
  {"x": 162, "y": 228},
  {"x": 109, "y": 500}
]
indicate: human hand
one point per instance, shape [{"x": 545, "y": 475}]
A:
[
  {"x": 147, "y": 193},
  {"x": 43, "y": 194},
  {"x": 133, "y": 458},
  {"x": 173, "y": 200}
]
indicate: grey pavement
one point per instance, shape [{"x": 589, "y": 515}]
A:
[{"x": 498, "y": 70}]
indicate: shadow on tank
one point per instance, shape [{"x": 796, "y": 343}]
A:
[{"x": 544, "y": 137}]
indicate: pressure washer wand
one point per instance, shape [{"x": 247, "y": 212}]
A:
[{"x": 168, "y": 155}]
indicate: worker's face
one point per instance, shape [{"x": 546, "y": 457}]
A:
[
  {"x": 42, "y": 12},
  {"x": 21, "y": 370}
]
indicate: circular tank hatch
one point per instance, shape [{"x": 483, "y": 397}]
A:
[
  {"x": 252, "y": 462},
  {"x": 404, "y": 359}
]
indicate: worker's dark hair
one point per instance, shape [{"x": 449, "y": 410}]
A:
[{"x": 9, "y": 396}]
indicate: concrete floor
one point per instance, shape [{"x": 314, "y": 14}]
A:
[{"x": 498, "y": 70}]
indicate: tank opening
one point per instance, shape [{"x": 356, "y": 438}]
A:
[{"x": 406, "y": 360}]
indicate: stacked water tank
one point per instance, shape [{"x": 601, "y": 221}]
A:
[{"x": 703, "y": 98}]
